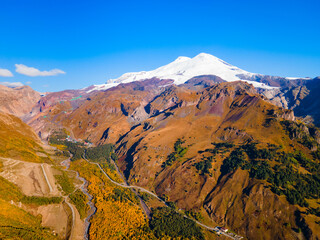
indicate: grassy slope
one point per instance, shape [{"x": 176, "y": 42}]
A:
[
  {"x": 18, "y": 141},
  {"x": 16, "y": 223}
]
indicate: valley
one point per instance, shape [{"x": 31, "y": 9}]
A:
[{"x": 174, "y": 156}]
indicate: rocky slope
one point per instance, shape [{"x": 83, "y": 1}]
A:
[
  {"x": 146, "y": 119},
  {"x": 310, "y": 103},
  {"x": 45, "y": 114},
  {"x": 101, "y": 116},
  {"x": 18, "y": 101},
  {"x": 251, "y": 208},
  {"x": 299, "y": 95},
  {"x": 228, "y": 112},
  {"x": 282, "y": 91}
]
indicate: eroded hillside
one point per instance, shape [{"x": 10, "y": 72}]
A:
[
  {"x": 18, "y": 101},
  {"x": 177, "y": 141},
  {"x": 33, "y": 201}
]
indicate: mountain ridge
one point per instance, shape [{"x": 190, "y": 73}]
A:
[
  {"x": 165, "y": 138},
  {"x": 19, "y": 100}
]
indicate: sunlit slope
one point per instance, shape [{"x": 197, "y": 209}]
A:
[
  {"x": 191, "y": 171},
  {"x": 15, "y": 222},
  {"x": 166, "y": 140},
  {"x": 18, "y": 140},
  {"x": 18, "y": 101}
]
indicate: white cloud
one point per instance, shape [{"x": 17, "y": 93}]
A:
[
  {"x": 5, "y": 73},
  {"x": 12, "y": 84},
  {"x": 33, "y": 72},
  {"x": 28, "y": 83}
]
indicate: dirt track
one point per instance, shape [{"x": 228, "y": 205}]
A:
[
  {"x": 29, "y": 177},
  {"x": 36, "y": 179},
  {"x": 126, "y": 185}
]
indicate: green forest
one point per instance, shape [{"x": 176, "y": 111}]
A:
[
  {"x": 278, "y": 168},
  {"x": 167, "y": 222},
  {"x": 178, "y": 152}
]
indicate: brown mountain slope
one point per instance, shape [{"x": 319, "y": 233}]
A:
[
  {"x": 23, "y": 187},
  {"x": 250, "y": 208},
  {"x": 225, "y": 112},
  {"x": 101, "y": 116},
  {"x": 167, "y": 140},
  {"x": 45, "y": 115},
  {"x": 18, "y": 101},
  {"x": 299, "y": 95},
  {"x": 18, "y": 140}
]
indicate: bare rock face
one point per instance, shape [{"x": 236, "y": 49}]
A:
[
  {"x": 288, "y": 98},
  {"x": 298, "y": 95},
  {"x": 232, "y": 133},
  {"x": 18, "y": 101},
  {"x": 287, "y": 115},
  {"x": 139, "y": 115},
  {"x": 310, "y": 105}
]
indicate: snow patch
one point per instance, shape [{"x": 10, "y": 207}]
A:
[{"x": 295, "y": 78}]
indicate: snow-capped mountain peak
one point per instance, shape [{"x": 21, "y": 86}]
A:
[
  {"x": 185, "y": 68},
  {"x": 181, "y": 59}
]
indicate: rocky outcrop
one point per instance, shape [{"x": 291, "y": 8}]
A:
[
  {"x": 310, "y": 104},
  {"x": 299, "y": 95},
  {"x": 288, "y": 98}
]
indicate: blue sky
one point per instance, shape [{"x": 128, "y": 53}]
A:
[{"x": 92, "y": 41}]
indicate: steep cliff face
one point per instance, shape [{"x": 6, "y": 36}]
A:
[
  {"x": 298, "y": 95},
  {"x": 18, "y": 101},
  {"x": 310, "y": 104},
  {"x": 289, "y": 98}
]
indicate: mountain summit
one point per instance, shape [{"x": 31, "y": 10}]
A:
[{"x": 185, "y": 68}]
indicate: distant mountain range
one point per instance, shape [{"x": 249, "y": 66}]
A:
[{"x": 287, "y": 92}]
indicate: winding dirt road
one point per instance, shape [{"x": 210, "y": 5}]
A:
[
  {"x": 73, "y": 217},
  {"x": 126, "y": 185},
  {"x": 84, "y": 189}
]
